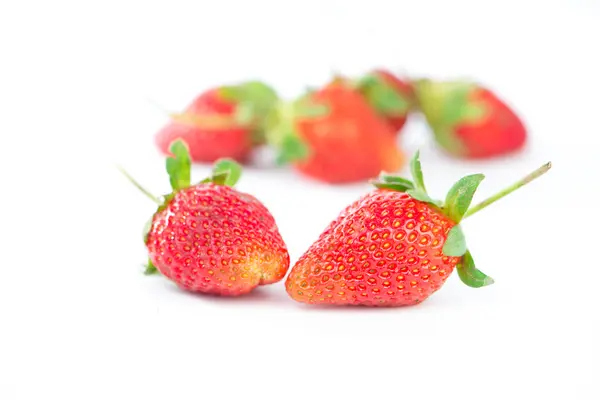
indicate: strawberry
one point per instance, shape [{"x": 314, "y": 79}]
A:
[
  {"x": 394, "y": 246},
  {"x": 222, "y": 122},
  {"x": 469, "y": 120},
  {"x": 389, "y": 95},
  {"x": 209, "y": 237},
  {"x": 209, "y": 137},
  {"x": 334, "y": 136}
]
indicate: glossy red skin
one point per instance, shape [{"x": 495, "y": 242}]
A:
[
  {"x": 214, "y": 239},
  {"x": 404, "y": 88},
  {"x": 351, "y": 143},
  {"x": 500, "y": 132},
  {"x": 383, "y": 250},
  {"x": 209, "y": 102},
  {"x": 207, "y": 145}
]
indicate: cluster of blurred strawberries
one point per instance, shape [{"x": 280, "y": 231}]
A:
[{"x": 347, "y": 130}]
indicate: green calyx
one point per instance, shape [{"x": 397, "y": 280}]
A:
[
  {"x": 254, "y": 101},
  {"x": 456, "y": 206},
  {"x": 149, "y": 268},
  {"x": 446, "y": 105},
  {"x": 179, "y": 165},
  {"x": 383, "y": 97},
  {"x": 225, "y": 172},
  {"x": 281, "y": 129}
]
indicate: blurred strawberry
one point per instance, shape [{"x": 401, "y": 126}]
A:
[
  {"x": 468, "y": 120},
  {"x": 222, "y": 122},
  {"x": 333, "y": 135},
  {"x": 210, "y": 137},
  {"x": 389, "y": 95},
  {"x": 248, "y": 103}
]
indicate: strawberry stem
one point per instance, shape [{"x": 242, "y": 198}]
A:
[
  {"x": 140, "y": 187},
  {"x": 521, "y": 182}
]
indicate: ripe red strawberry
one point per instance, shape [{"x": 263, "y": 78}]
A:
[
  {"x": 209, "y": 137},
  {"x": 389, "y": 95},
  {"x": 211, "y": 238},
  {"x": 469, "y": 120},
  {"x": 222, "y": 122},
  {"x": 394, "y": 246},
  {"x": 334, "y": 136}
]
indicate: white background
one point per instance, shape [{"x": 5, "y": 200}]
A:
[{"x": 78, "y": 320}]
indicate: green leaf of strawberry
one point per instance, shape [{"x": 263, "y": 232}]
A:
[
  {"x": 456, "y": 243},
  {"x": 254, "y": 100},
  {"x": 447, "y": 105},
  {"x": 225, "y": 172},
  {"x": 456, "y": 207},
  {"x": 396, "y": 179},
  {"x": 147, "y": 228},
  {"x": 281, "y": 130},
  {"x": 230, "y": 169},
  {"x": 179, "y": 165},
  {"x": 384, "y": 98},
  {"x": 292, "y": 148},
  {"x": 470, "y": 275},
  {"x": 397, "y": 183},
  {"x": 459, "y": 197},
  {"x": 309, "y": 110},
  {"x": 417, "y": 172},
  {"x": 244, "y": 114},
  {"x": 419, "y": 194},
  {"x": 150, "y": 268},
  {"x": 455, "y": 101}
]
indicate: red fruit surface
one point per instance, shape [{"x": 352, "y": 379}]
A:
[
  {"x": 206, "y": 145},
  {"x": 351, "y": 143},
  {"x": 469, "y": 120},
  {"x": 211, "y": 102},
  {"x": 383, "y": 250},
  {"x": 499, "y": 132},
  {"x": 208, "y": 141},
  {"x": 214, "y": 239},
  {"x": 402, "y": 87}
]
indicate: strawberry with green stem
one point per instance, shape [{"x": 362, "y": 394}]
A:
[
  {"x": 210, "y": 238},
  {"x": 248, "y": 103},
  {"x": 390, "y": 96},
  {"x": 333, "y": 135},
  {"x": 469, "y": 120},
  {"x": 227, "y": 121},
  {"x": 394, "y": 246}
]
